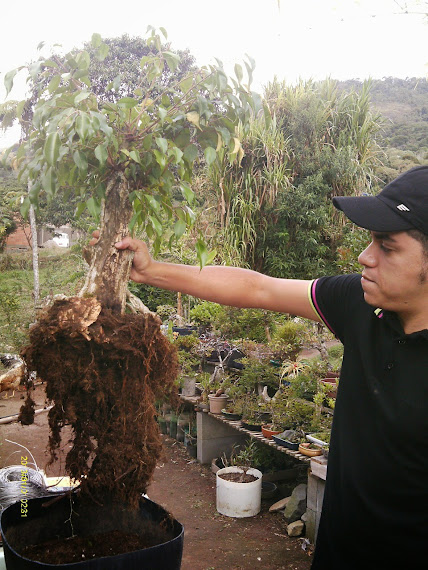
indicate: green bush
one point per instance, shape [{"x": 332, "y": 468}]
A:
[
  {"x": 205, "y": 313},
  {"x": 236, "y": 323}
]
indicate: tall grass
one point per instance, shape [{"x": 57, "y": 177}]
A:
[{"x": 61, "y": 272}]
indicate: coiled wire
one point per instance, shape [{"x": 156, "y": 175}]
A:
[{"x": 18, "y": 482}]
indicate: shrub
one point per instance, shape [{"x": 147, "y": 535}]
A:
[{"x": 205, "y": 313}]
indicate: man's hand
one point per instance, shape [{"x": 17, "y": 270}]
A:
[{"x": 142, "y": 258}]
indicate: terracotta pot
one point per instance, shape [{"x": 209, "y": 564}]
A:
[{"x": 268, "y": 433}]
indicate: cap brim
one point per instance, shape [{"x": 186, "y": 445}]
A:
[{"x": 371, "y": 213}]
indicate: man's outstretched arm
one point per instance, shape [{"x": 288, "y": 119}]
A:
[{"x": 225, "y": 285}]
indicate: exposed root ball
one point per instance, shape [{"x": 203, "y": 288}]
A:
[{"x": 103, "y": 373}]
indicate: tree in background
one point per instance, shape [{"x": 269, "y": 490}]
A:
[{"x": 275, "y": 212}]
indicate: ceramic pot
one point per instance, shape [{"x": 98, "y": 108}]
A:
[
  {"x": 268, "y": 433},
  {"x": 238, "y": 499},
  {"x": 304, "y": 450},
  {"x": 217, "y": 403},
  {"x": 251, "y": 427},
  {"x": 231, "y": 416}
]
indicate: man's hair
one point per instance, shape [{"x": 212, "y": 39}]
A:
[{"x": 421, "y": 238}]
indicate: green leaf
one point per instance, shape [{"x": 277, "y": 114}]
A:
[
  {"x": 205, "y": 257},
  {"x": 54, "y": 83},
  {"x": 81, "y": 97},
  {"x": 177, "y": 153},
  {"x": 157, "y": 226},
  {"x": 147, "y": 141},
  {"x": 25, "y": 207},
  {"x": 83, "y": 60},
  {"x": 238, "y": 72},
  {"x": 186, "y": 84},
  {"x": 104, "y": 126},
  {"x": 8, "y": 80},
  {"x": 190, "y": 152},
  {"x": 34, "y": 193},
  {"x": 193, "y": 117},
  {"x": 94, "y": 208},
  {"x": 49, "y": 183},
  {"x": 80, "y": 160},
  {"x": 172, "y": 60},
  {"x": 210, "y": 155},
  {"x": 162, "y": 144},
  {"x": 101, "y": 154},
  {"x": 51, "y": 148},
  {"x": 135, "y": 155},
  {"x": 102, "y": 52},
  {"x": 96, "y": 40},
  {"x": 162, "y": 114},
  {"x": 83, "y": 124},
  {"x": 127, "y": 102},
  {"x": 179, "y": 228},
  {"x": 81, "y": 207},
  {"x": 187, "y": 192}
]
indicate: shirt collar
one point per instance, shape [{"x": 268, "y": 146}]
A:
[{"x": 392, "y": 321}]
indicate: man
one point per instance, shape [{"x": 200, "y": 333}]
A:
[{"x": 375, "y": 512}]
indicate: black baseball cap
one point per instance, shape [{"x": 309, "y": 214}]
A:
[{"x": 401, "y": 205}]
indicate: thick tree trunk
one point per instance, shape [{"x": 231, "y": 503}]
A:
[{"x": 108, "y": 274}]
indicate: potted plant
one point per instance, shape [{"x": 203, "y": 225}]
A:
[
  {"x": 289, "y": 438},
  {"x": 189, "y": 361},
  {"x": 252, "y": 413},
  {"x": 276, "y": 425},
  {"x": 310, "y": 449},
  {"x": 104, "y": 367},
  {"x": 238, "y": 485}
]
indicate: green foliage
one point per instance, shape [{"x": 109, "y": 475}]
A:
[
  {"x": 60, "y": 272},
  {"x": 257, "y": 371},
  {"x": 79, "y": 141},
  {"x": 188, "y": 355},
  {"x": 287, "y": 340},
  {"x": 236, "y": 323},
  {"x": 205, "y": 313},
  {"x": 354, "y": 241},
  {"x": 153, "y": 297},
  {"x": 275, "y": 211},
  {"x": 118, "y": 75}
]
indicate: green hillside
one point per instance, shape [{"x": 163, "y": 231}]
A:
[{"x": 404, "y": 105}]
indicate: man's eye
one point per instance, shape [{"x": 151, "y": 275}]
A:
[{"x": 384, "y": 248}]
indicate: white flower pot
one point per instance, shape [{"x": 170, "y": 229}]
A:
[{"x": 238, "y": 499}]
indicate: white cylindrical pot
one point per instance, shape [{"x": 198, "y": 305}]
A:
[{"x": 238, "y": 499}]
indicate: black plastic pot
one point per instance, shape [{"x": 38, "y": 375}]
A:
[{"x": 43, "y": 523}]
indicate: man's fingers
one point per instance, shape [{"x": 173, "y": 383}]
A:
[
  {"x": 130, "y": 243},
  {"x": 95, "y": 237}
]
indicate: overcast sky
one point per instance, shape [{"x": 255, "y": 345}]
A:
[{"x": 288, "y": 38}]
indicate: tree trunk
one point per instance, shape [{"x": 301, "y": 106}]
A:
[{"x": 108, "y": 274}]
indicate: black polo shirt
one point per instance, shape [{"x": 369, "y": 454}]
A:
[{"x": 375, "y": 510}]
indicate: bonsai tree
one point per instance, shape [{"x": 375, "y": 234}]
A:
[{"x": 130, "y": 161}]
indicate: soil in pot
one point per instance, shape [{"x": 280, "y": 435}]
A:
[
  {"x": 146, "y": 535},
  {"x": 243, "y": 477}
]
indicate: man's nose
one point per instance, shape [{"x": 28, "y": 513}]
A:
[{"x": 367, "y": 257}]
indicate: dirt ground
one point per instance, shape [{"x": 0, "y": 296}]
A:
[{"x": 187, "y": 490}]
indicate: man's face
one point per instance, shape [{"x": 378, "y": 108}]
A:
[{"x": 395, "y": 275}]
